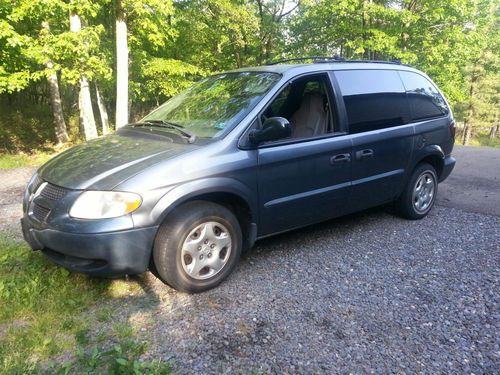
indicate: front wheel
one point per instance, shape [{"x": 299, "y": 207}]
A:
[
  {"x": 419, "y": 194},
  {"x": 197, "y": 247}
]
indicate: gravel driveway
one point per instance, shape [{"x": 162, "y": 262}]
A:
[{"x": 367, "y": 293}]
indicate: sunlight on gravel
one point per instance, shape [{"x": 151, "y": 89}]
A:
[{"x": 370, "y": 291}]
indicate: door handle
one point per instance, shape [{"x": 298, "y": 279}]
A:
[
  {"x": 363, "y": 154},
  {"x": 340, "y": 158}
]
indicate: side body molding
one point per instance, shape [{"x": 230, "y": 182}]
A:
[{"x": 194, "y": 188}]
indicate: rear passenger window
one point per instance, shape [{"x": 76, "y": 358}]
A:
[
  {"x": 374, "y": 99},
  {"x": 425, "y": 100}
]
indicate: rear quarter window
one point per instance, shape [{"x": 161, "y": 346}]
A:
[
  {"x": 374, "y": 99},
  {"x": 425, "y": 100}
]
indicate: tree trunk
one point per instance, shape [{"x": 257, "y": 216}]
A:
[
  {"x": 467, "y": 134},
  {"x": 102, "y": 112},
  {"x": 493, "y": 131},
  {"x": 85, "y": 102},
  {"x": 121, "y": 67},
  {"x": 467, "y": 125},
  {"x": 55, "y": 100},
  {"x": 470, "y": 110},
  {"x": 494, "y": 128},
  {"x": 87, "y": 113}
]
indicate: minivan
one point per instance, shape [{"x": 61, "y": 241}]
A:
[{"x": 239, "y": 156}]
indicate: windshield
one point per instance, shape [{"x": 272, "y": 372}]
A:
[{"x": 215, "y": 103}]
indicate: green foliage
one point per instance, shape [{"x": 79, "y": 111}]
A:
[
  {"x": 40, "y": 305},
  {"x": 485, "y": 140},
  {"x": 44, "y": 316},
  {"x": 27, "y": 132},
  {"x": 24, "y": 128},
  {"x": 216, "y": 34},
  {"x": 165, "y": 78},
  {"x": 173, "y": 43},
  {"x": 122, "y": 358},
  {"x": 449, "y": 40}
]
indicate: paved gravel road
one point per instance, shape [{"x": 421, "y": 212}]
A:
[
  {"x": 474, "y": 184},
  {"x": 368, "y": 293},
  {"x": 12, "y": 184}
]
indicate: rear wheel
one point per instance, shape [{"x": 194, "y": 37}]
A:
[
  {"x": 419, "y": 194},
  {"x": 197, "y": 247}
]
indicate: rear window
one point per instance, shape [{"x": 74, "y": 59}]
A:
[
  {"x": 425, "y": 100},
  {"x": 374, "y": 99}
]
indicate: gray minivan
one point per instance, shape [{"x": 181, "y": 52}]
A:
[{"x": 240, "y": 156}]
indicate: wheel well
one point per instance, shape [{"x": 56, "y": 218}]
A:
[
  {"x": 436, "y": 161},
  {"x": 237, "y": 205}
]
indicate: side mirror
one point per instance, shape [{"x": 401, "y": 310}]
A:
[{"x": 273, "y": 128}]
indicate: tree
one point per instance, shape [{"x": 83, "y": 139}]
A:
[
  {"x": 271, "y": 15},
  {"x": 103, "y": 112},
  {"x": 215, "y": 35},
  {"x": 121, "y": 66},
  {"x": 134, "y": 54},
  {"x": 31, "y": 48},
  {"x": 61, "y": 132},
  {"x": 87, "y": 119}
]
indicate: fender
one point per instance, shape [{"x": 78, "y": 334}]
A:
[
  {"x": 429, "y": 150},
  {"x": 194, "y": 188}
]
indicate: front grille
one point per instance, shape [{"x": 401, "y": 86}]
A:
[
  {"x": 40, "y": 213},
  {"x": 36, "y": 183},
  {"x": 45, "y": 199},
  {"x": 53, "y": 192}
]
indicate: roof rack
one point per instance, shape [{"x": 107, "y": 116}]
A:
[
  {"x": 328, "y": 59},
  {"x": 315, "y": 59}
]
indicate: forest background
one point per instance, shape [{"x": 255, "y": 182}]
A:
[{"x": 71, "y": 70}]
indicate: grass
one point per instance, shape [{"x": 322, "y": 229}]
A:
[
  {"x": 484, "y": 140},
  {"x": 32, "y": 159},
  {"x": 25, "y": 160},
  {"x": 120, "y": 359},
  {"x": 44, "y": 314}
]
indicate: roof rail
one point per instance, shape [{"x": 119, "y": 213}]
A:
[
  {"x": 328, "y": 59},
  {"x": 393, "y": 61},
  {"x": 315, "y": 59}
]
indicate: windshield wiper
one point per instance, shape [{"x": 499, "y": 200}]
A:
[{"x": 169, "y": 125}]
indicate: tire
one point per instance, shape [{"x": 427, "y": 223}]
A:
[
  {"x": 408, "y": 203},
  {"x": 197, "y": 234}
]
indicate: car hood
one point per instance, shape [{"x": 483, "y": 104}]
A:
[{"x": 105, "y": 162}]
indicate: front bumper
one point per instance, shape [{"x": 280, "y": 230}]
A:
[
  {"x": 449, "y": 164},
  {"x": 117, "y": 253}
]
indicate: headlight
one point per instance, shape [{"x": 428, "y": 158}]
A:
[{"x": 104, "y": 204}]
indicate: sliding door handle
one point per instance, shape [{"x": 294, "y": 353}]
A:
[
  {"x": 363, "y": 154},
  {"x": 340, "y": 159}
]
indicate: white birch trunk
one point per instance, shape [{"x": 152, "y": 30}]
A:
[
  {"x": 87, "y": 113},
  {"x": 121, "y": 68},
  {"x": 55, "y": 100},
  {"x": 103, "y": 112},
  {"x": 85, "y": 101}
]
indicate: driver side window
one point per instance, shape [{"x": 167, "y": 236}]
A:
[{"x": 306, "y": 104}]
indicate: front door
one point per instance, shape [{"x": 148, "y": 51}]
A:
[
  {"x": 303, "y": 183},
  {"x": 305, "y": 178}
]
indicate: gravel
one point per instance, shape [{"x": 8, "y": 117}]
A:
[
  {"x": 12, "y": 185},
  {"x": 368, "y": 293}
]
